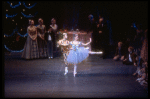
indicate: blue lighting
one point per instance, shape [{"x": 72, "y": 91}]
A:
[
  {"x": 12, "y": 50},
  {"x": 28, "y": 16},
  {"x": 17, "y": 5},
  {"x": 10, "y": 34},
  {"x": 21, "y": 34},
  {"x": 29, "y": 7},
  {"x": 11, "y": 16},
  {"x": 15, "y": 30}
]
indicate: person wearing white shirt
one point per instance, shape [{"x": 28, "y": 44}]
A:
[
  {"x": 49, "y": 37},
  {"x": 54, "y": 29},
  {"x": 130, "y": 58}
]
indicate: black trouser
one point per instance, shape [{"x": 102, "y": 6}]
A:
[
  {"x": 94, "y": 43},
  {"x": 127, "y": 62},
  {"x": 50, "y": 48}
]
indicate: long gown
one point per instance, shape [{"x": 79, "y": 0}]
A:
[
  {"x": 42, "y": 43},
  {"x": 77, "y": 54},
  {"x": 31, "y": 47}
]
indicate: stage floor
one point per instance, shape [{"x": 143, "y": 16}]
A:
[{"x": 44, "y": 78}]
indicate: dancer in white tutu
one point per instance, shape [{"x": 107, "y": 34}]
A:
[{"x": 77, "y": 54}]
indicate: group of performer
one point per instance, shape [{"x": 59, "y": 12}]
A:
[
  {"x": 42, "y": 43},
  {"x": 73, "y": 53}
]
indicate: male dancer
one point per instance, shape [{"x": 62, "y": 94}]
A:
[{"x": 64, "y": 43}]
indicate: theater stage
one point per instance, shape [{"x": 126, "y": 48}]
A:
[{"x": 44, "y": 78}]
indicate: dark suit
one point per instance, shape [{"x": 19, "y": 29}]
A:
[
  {"x": 133, "y": 57},
  {"x": 103, "y": 39},
  {"x": 50, "y": 45},
  {"x": 94, "y": 35}
]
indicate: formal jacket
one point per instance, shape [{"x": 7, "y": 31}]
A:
[
  {"x": 46, "y": 36},
  {"x": 133, "y": 57}
]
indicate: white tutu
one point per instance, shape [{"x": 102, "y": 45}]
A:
[{"x": 78, "y": 55}]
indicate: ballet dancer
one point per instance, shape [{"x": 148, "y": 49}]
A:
[
  {"x": 77, "y": 54},
  {"x": 64, "y": 43}
]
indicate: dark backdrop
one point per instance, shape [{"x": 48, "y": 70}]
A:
[{"x": 74, "y": 14}]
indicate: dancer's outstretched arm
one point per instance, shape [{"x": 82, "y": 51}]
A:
[{"x": 87, "y": 43}]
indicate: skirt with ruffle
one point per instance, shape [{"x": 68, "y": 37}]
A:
[{"x": 77, "y": 56}]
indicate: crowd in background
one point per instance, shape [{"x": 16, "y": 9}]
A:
[{"x": 135, "y": 52}]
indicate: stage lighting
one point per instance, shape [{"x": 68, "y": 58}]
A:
[{"x": 100, "y": 52}]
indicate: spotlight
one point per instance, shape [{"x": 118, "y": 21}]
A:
[
  {"x": 96, "y": 52},
  {"x": 6, "y": 9},
  {"x": 21, "y": 17},
  {"x": 6, "y": 17},
  {"x": 23, "y": 9},
  {"x": 11, "y": 3},
  {"x": 29, "y": 3}
]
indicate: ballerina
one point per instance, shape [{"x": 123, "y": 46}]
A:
[{"x": 77, "y": 54}]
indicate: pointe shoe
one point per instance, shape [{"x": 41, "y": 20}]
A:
[
  {"x": 74, "y": 73},
  {"x": 66, "y": 70}
]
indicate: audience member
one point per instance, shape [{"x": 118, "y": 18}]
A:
[
  {"x": 143, "y": 74},
  {"x": 143, "y": 53},
  {"x": 130, "y": 58},
  {"x": 119, "y": 52}
]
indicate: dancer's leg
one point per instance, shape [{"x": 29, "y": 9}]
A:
[
  {"x": 66, "y": 68},
  {"x": 75, "y": 69}
]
